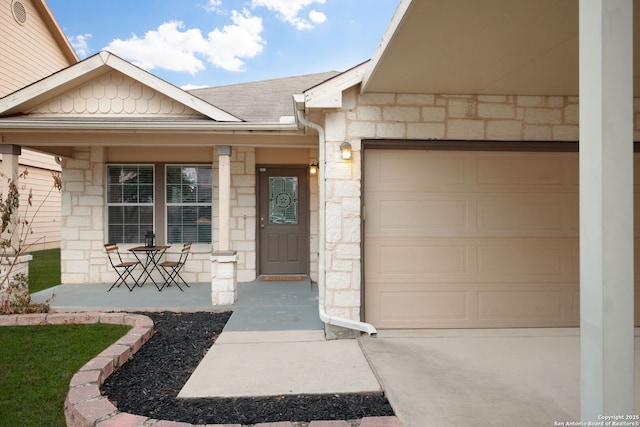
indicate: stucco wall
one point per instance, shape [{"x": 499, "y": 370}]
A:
[{"x": 419, "y": 117}]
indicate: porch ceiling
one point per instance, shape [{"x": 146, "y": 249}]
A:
[
  {"x": 58, "y": 138},
  {"x": 494, "y": 47}
]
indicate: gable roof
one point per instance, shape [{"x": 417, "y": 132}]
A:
[
  {"x": 30, "y": 97},
  {"x": 328, "y": 94},
  {"x": 266, "y": 101}
]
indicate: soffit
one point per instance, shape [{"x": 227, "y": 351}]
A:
[{"x": 494, "y": 47}]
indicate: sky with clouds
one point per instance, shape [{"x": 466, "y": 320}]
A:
[{"x": 195, "y": 43}]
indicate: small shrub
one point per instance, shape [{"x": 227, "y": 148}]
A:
[
  {"x": 14, "y": 285},
  {"x": 16, "y": 298}
]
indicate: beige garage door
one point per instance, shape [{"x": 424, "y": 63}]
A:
[{"x": 470, "y": 239}]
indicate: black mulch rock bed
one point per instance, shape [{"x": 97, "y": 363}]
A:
[{"x": 149, "y": 383}]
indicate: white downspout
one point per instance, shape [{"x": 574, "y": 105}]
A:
[{"x": 326, "y": 318}]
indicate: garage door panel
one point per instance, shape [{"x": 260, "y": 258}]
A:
[
  {"x": 549, "y": 259},
  {"x": 454, "y": 305},
  {"x": 399, "y": 306},
  {"x": 423, "y": 215},
  {"x": 470, "y": 239},
  {"x": 416, "y": 257},
  {"x": 474, "y": 260},
  {"x": 468, "y": 214},
  {"x": 546, "y": 305},
  {"x": 409, "y": 170},
  {"x": 527, "y": 214},
  {"x": 538, "y": 169}
]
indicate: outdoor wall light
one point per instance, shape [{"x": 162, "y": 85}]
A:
[
  {"x": 345, "y": 149},
  {"x": 313, "y": 169}
]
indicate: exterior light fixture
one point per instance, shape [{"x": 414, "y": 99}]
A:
[
  {"x": 313, "y": 169},
  {"x": 345, "y": 149}
]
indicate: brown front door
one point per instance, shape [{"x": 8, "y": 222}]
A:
[{"x": 283, "y": 220}]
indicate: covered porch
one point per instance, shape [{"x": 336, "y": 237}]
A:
[
  {"x": 261, "y": 305},
  {"x": 139, "y": 155}
]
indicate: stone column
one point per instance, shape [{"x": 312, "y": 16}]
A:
[
  {"x": 224, "y": 261},
  {"x": 224, "y": 197},
  {"x": 606, "y": 209},
  {"x": 224, "y": 283}
]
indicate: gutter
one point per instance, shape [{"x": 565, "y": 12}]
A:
[
  {"x": 82, "y": 125},
  {"x": 324, "y": 316}
]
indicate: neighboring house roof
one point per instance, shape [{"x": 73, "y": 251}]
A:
[
  {"x": 31, "y": 99},
  {"x": 266, "y": 101}
]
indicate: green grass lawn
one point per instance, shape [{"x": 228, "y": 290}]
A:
[
  {"x": 37, "y": 364},
  {"x": 44, "y": 270}
]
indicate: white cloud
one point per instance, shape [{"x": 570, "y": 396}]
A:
[
  {"x": 170, "y": 47},
  {"x": 240, "y": 40},
  {"x": 191, "y": 87},
  {"x": 289, "y": 11},
  {"x": 213, "y": 5},
  {"x": 317, "y": 17},
  {"x": 80, "y": 44}
]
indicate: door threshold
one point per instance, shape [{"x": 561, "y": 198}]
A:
[{"x": 282, "y": 278}]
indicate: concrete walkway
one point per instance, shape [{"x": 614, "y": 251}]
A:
[{"x": 244, "y": 364}]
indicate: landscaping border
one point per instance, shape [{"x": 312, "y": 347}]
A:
[{"x": 85, "y": 406}]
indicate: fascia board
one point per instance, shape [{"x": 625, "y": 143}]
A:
[
  {"x": 34, "y": 94},
  {"x": 393, "y": 26},
  {"x": 55, "y": 84},
  {"x": 329, "y": 93},
  {"x": 26, "y": 125},
  {"x": 168, "y": 89},
  {"x": 56, "y": 32}
]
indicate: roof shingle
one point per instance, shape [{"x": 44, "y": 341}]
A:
[{"x": 264, "y": 101}]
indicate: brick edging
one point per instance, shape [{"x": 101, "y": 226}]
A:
[{"x": 85, "y": 406}]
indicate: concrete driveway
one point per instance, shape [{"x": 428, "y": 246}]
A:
[{"x": 523, "y": 377}]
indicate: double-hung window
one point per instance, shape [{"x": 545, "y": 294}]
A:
[
  {"x": 130, "y": 202},
  {"x": 189, "y": 191},
  {"x": 174, "y": 201}
]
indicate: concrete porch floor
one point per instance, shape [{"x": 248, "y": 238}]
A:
[{"x": 498, "y": 377}]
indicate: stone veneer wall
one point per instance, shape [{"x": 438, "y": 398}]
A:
[
  {"x": 243, "y": 210},
  {"x": 83, "y": 259},
  {"x": 419, "y": 117}
]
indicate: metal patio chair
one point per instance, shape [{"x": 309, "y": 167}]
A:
[
  {"x": 173, "y": 268},
  {"x": 122, "y": 267}
]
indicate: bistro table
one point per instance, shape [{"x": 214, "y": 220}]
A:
[{"x": 153, "y": 254}]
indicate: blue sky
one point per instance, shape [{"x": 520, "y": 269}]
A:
[{"x": 194, "y": 43}]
